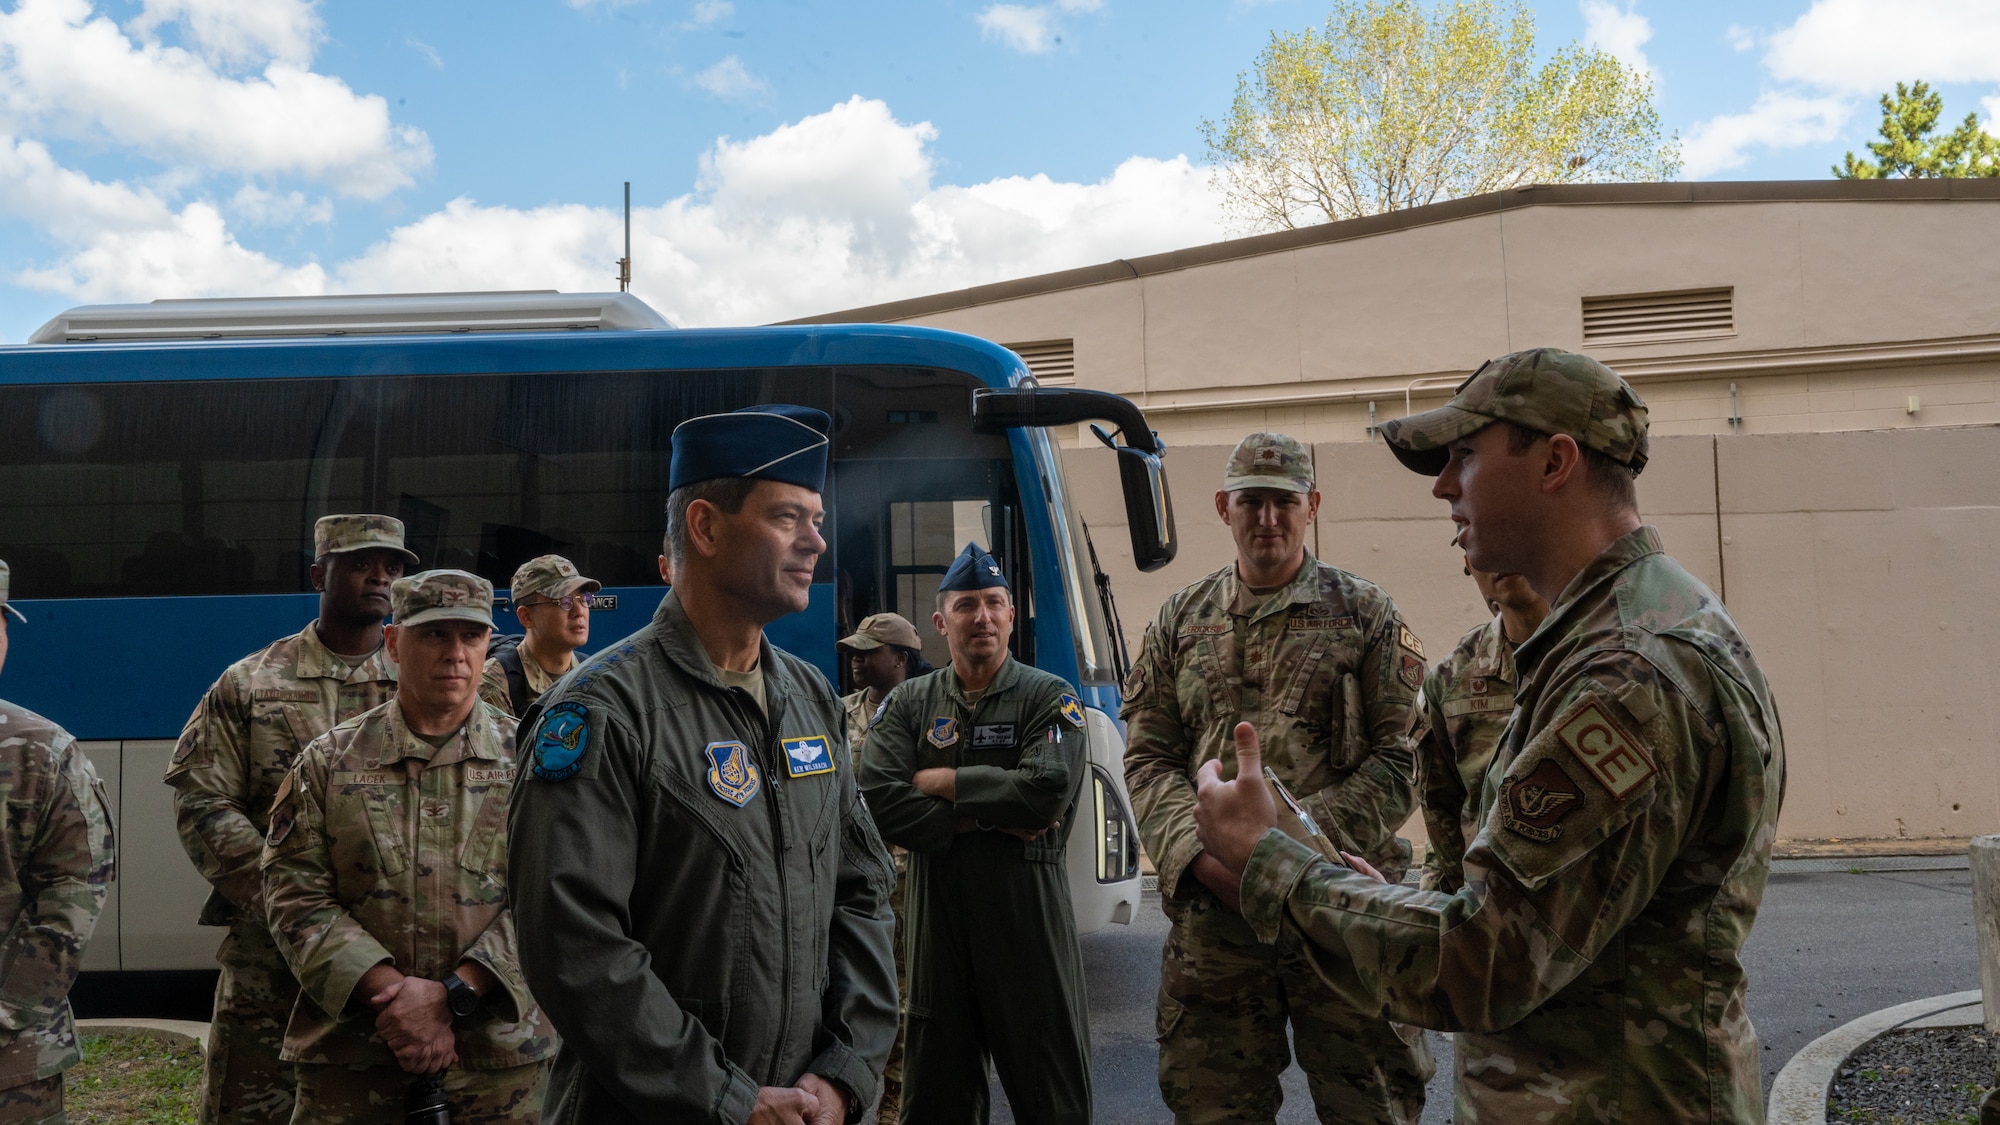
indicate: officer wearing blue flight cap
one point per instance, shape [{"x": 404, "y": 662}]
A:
[
  {"x": 976, "y": 769},
  {"x": 701, "y": 898}
]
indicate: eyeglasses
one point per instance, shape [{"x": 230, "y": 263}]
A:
[{"x": 570, "y": 604}]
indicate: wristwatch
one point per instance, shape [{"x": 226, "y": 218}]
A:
[{"x": 461, "y": 998}]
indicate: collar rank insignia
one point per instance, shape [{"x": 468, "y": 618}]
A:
[
  {"x": 560, "y": 741},
  {"x": 1071, "y": 710},
  {"x": 943, "y": 732},
  {"x": 807, "y": 756},
  {"x": 731, "y": 774}
]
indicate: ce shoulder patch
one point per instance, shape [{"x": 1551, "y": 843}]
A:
[
  {"x": 561, "y": 741},
  {"x": 1409, "y": 640},
  {"x": 1071, "y": 710},
  {"x": 1606, "y": 747}
]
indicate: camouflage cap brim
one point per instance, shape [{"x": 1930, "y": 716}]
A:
[
  {"x": 471, "y": 613},
  {"x": 1283, "y": 484},
  {"x": 570, "y": 586},
  {"x": 409, "y": 556},
  {"x": 1419, "y": 440}
]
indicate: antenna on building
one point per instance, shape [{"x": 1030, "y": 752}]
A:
[{"x": 625, "y": 263}]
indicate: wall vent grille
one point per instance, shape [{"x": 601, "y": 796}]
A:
[
  {"x": 1639, "y": 318},
  {"x": 1051, "y": 362}
]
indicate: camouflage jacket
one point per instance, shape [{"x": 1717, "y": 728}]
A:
[
  {"x": 384, "y": 849},
  {"x": 493, "y": 681},
  {"x": 56, "y": 861},
  {"x": 860, "y": 716},
  {"x": 244, "y": 734},
  {"x": 1461, "y": 712},
  {"x": 1592, "y": 958},
  {"x": 1326, "y": 670}
]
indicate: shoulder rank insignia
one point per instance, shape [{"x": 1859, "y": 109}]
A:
[
  {"x": 1071, "y": 709},
  {"x": 943, "y": 732},
  {"x": 807, "y": 755},
  {"x": 560, "y": 740},
  {"x": 731, "y": 773}
]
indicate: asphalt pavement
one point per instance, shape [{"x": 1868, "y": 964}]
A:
[{"x": 1829, "y": 945}]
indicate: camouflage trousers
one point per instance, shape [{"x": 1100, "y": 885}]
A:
[
  {"x": 1225, "y": 999},
  {"x": 34, "y": 1103},
  {"x": 244, "y": 1082},
  {"x": 889, "y": 1108},
  {"x": 330, "y": 1094}
]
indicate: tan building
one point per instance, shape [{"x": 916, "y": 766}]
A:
[{"x": 1822, "y": 360}]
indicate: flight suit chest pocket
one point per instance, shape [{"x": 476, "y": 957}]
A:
[
  {"x": 1206, "y": 663},
  {"x": 484, "y": 852},
  {"x": 380, "y": 841}
]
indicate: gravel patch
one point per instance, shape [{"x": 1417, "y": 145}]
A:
[{"x": 1932, "y": 1076}]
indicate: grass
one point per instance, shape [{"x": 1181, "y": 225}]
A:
[{"x": 132, "y": 1078}]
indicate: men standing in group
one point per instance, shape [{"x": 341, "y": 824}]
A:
[
  {"x": 881, "y": 653},
  {"x": 385, "y": 877},
  {"x": 56, "y": 862},
  {"x": 975, "y": 769},
  {"x": 243, "y": 736},
  {"x": 702, "y": 898},
  {"x": 1321, "y": 660},
  {"x": 1592, "y": 959},
  {"x": 1466, "y": 702},
  {"x": 552, "y": 602}
]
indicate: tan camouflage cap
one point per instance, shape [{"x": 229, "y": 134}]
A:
[
  {"x": 337, "y": 535},
  {"x": 1265, "y": 460},
  {"x": 1546, "y": 390},
  {"x": 7, "y": 577},
  {"x": 551, "y": 577},
  {"x": 441, "y": 595},
  {"x": 880, "y": 629}
]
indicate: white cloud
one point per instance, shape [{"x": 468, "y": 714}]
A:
[
  {"x": 1031, "y": 29},
  {"x": 68, "y": 72},
  {"x": 1618, "y": 31},
  {"x": 1777, "y": 120},
  {"x": 1991, "y": 103},
  {"x": 193, "y": 255},
  {"x": 239, "y": 31},
  {"x": 259, "y": 207},
  {"x": 429, "y": 52},
  {"x": 731, "y": 82},
  {"x": 708, "y": 13},
  {"x": 1867, "y": 46},
  {"x": 1740, "y": 38}
]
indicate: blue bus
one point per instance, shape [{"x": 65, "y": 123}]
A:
[{"x": 161, "y": 467}]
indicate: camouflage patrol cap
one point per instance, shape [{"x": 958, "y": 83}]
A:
[
  {"x": 6, "y": 577},
  {"x": 552, "y": 577},
  {"x": 878, "y": 629},
  {"x": 441, "y": 595},
  {"x": 1266, "y": 460},
  {"x": 1546, "y": 390},
  {"x": 337, "y": 535}
]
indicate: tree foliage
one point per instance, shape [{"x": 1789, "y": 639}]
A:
[
  {"x": 1392, "y": 105},
  {"x": 1908, "y": 150}
]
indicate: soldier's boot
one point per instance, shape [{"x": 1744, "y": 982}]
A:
[
  {"x": 1221, "y": 1019},
  {"x": 244, "y": 1082},
  {"x": 334, "y": 1095},
  {"x": 34, "y": 1103}
]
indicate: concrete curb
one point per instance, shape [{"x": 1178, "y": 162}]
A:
[
  {"x": 192, "y": 1030},
  {"x": 1798, "y": 1094}
]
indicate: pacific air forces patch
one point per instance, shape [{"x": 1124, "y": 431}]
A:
[
  {"x": 561, "y": 740},
  {"x": 807, "y": 756},
  {"x": 731, "y": 773},
  {"x": 943, "y": 732},
  {"x": 1071, "y": 710}
]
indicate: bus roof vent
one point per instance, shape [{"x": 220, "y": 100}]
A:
[
  {"x": 1051, "y": 362},
  {"x": 1641, "y": 318},
  {"x": 377, "y": 315}
]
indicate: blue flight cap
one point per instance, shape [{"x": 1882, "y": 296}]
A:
[
  {"x": 973, "y": 569},
  {"x": 773, "y": 441}
]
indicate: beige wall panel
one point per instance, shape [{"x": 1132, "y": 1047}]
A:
[
  {"x": 101, "y": 955},
  {"x": 1104, "y": 321},
  {"x": 1223, "y": 325},
  {"x": 159, "y": 883},
  {"x": 1849, "y": 254}
]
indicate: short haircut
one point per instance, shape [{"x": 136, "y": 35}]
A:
[
  {"x": 1611, "y": 479},
  {"x": 727, "y": 493}
]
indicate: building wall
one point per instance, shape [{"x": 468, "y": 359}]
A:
[{"x": 1857, "y": 564}]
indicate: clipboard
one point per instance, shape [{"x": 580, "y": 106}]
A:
[{"x": 1296, "y": 822}]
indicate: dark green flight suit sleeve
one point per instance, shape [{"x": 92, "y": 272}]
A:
[
  {"x": 1034, "y": 793},
  {"x": 892, "y": 754}
]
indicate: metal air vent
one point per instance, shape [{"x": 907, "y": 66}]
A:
[
  {"x": 1640, "y": 318},
  {"x": 1052, "y": 362}
]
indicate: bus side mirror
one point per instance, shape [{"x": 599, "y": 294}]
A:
[{"x": 1149, "y": 510}]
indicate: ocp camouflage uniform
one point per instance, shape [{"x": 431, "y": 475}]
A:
[
  {"x": 1591, "y": 961},
  {"x": 244, "y": 734},
  {"x": 1463, "y": 709},
  {"x": 383, "y": 849},
  {"x": 1327, "y": 671},
  {"x": 56, "y": 862},
  {"x": 860, "y": 716}
]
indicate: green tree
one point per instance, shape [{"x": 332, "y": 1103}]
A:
[
  {"x": 1395, "y": 104},
  {"x": 1909, "y": 150}
]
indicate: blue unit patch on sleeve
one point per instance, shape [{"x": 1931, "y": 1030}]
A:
[
  {"x": 561, "y": 740},
  {"x": 731, "y": 773},
  {"x": 943, "y": 732},
  {"x": 1071, "y": 709},
  {"x": 807, "y": 756}
]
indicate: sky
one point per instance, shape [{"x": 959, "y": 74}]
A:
[{"x": 786, "y": 158}]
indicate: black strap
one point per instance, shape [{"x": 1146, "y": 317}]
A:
[{"x": 517, "y": 679}]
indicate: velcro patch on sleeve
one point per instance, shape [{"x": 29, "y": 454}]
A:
[{"x": 1606, "y": 748}]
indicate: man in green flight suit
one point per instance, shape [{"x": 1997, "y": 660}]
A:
[
  {"x": 1592, "y": 960},
  {"x": 702, "y": 901},
  {"x": 975, "y": 768}
]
